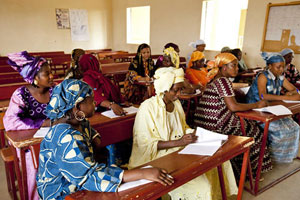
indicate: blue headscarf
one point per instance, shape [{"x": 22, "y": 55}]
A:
[
  {"x": 28, "y": 66},
  {"x": 286, "y": 51},
  {"x": 65, "y": 96},
  {"x": 272, "y": 58}
]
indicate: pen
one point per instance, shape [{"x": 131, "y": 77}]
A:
[
  {"x": 262, "y": 96},
  {"x": 297, "y": 91}
]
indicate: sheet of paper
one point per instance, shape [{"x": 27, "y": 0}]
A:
[
  {"x": 111, "y": 114},
  {"x": 245, "y": 89},
  {"x": 132, "y": 184},
  {"x": 42, "y": 132},
  {"x": 200, "y": 149},
  {"x": 289, "y": 101},
  {"x": 205, "y": 136},
  {"x": 275, "y": 110}
]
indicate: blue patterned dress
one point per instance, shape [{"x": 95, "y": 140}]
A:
[
  {"x": 283, "y": 136},
  {"x": 67, "y": 165}
]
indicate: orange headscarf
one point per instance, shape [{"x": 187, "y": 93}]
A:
[
  {"x": 196, "y": 55},
  {"x": 223, "y": 59}
]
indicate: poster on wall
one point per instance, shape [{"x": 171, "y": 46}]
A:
[
  {"x": 79, "y": 25},
  {"x": 62, "y": 18}
]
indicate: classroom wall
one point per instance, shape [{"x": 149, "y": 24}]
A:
[
  {"x": 31, "y": 25},
  {"x": 170, "y": 21},
  {"x": 179, "y": 22}
]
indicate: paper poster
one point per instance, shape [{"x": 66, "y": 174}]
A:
[
  {"x": 79, "y": 25},
  {"x": 62, "y": 18}
]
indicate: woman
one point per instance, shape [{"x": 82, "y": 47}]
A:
[
  {"x": 196, "y": 71},
  {"x": 241, "y": 63},
  {"x": 159, "y": 62},
  {"x": 27, "y": 105},
  {"x": 141, "y": 69},
  {"x": 199, "y": 45},
  {"x": 74, "y": 71},
  {"x": 217, "y": 107},
  {"x": 107, "y": 95},
  {"x": 160, "y": 129},
  {"x": 290, "y": 71},
  {"x": 66, "y": 163},
  {"x": 283, "y": 136}
]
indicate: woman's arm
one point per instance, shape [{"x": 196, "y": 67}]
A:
[
  {"x": 234, "y": 106},
  {"x": 184, "y": 140}
]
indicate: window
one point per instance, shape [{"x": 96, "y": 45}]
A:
[
  {"x": 223, "y": 23},
  {"x": 138, "y": 25}
]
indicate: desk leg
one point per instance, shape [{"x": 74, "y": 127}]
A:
[
  {"x": 221, "y": 179},
  {"x": 18, "y": 174},
  {"x": 24, "y": 173},
  {"x": 261, "y": 156},
  {"x": 243, "y": 174}
]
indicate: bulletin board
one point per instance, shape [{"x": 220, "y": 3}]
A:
[{"x": 282, "y": 27}]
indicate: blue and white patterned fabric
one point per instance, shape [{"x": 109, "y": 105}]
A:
[
  {"x": 273, "y": 86},
  {"x": 67, "y": 165},
  {"x": 271, "y": 58},
  {"x": 65, "y": 96}
]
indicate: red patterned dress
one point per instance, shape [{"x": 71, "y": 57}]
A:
[{"x": 213, "y": 114}]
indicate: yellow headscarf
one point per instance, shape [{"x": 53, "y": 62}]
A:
[
  {"x": 174, "y": 56},
  {"x": 165, "y": 77},
  {"x": 196, "y": 55},
  {"x": 223, "y": 59}
]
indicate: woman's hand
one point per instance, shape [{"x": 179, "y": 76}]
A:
[
  {"x": 294, "y": 97},
  {"x": 261, "y": 104},
  {"x": 187, "y": 139},
  {"x": 118, "y": 110},
  {"x": 158, "y": 175}
]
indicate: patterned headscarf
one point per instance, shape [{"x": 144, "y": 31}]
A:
[
  {"x": 286, "y": 51},
  {"x": 65, "y": 96},
  {"x": 165, "y": 77},
  {"x": 174, "y": 56},
  {"x": 223, "y": 59},
  {"x": 272, "y": 58},
  {"x": 28, "y": 66},
  {"x": 196, "y": 55}
]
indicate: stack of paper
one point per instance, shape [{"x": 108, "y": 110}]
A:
[
  {"x": 129, "y": 110},
  {"x": 207, "y": 144},
  {"x": 275, "y": 110},
  {"x": 41, "y": 133}
]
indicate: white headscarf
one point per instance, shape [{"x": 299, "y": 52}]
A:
[
  {"x": 286, "y": 51},
  {"x": 165, "y": 77},
  {"x": 195, "y": 44}
]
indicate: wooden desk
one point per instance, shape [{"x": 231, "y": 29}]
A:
[
  {"x": 111, "y": 130},
  {"x": 266, "y": 118},
  {"x": 183, "y": 168},
  {"x": 188, "y": 98}
]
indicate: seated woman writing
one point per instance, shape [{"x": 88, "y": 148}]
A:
[
  {"x": 141, "y": 69},
  {"x": 27, "y": 104},
  {"x": 160, "y": 129},
  {"x": 66, "y": 163},
  {"x": 217, "y": 107},
  {"x": 283, "y": 135}
]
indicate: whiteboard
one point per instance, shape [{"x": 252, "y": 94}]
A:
[{"x": 282, "y": 27}]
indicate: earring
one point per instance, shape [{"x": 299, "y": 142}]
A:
[
  {"x": 35, "y": 82},
  {"x": 80, "y": 117}
]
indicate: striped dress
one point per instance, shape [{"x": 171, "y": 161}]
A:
[
  {"x": 283, "y": 135},
  {"x": 213, "y": 114}
]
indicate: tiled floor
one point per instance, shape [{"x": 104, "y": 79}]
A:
[{"x": 286, "y": 190}]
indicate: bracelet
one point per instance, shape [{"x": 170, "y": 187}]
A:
[
  {"x": 110, "y": 104},
  {"x": 97, "y": 134}
]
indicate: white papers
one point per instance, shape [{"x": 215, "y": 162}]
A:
[
  {"x": 79, "y": 25},
  {"x": 132, "y": 184},
  {"x": 207, "y": 144},
  {"x": 129, "y": 110},
  {"x": 290, "y": 101},
  {"x": 198, "y": 91},
  {"x": 275, "y": 110},
  {"x": 245, "y": 89},
  {"x": 42, "y": 132}
]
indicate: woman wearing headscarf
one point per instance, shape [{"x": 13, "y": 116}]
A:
[
  {"x": 160, "y": 129},
  {"x": 27, "y": 105},
  {"x": 217, "y": 107},
  {"x": 290, "y": 71},
  {"x": 107, "y": 95},
  {"x": 196, "y": 72},
  {"x": 74, "y": 71},
  {"x": 283, "y": 136},
  {"x": 141, "y": 69},
  {"x": 159, "y": 62},
  {"x": 67, "y": 161}
]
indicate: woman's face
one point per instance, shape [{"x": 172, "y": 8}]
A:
[
  {"x": 288, "y": 58},
  {"x": 44, "y": 77},
  {"x": 145, "y": 53},
  {"x": 174, "y": 92},
  {"x": 199, "y": 63},
  {"x": 88, "y": 106},
  {"x": 232, "y": 68},
  {"x": 167, "y": 62},
  {"x": 277, "y": 68},
  {"x": 201, "y": 47}
]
